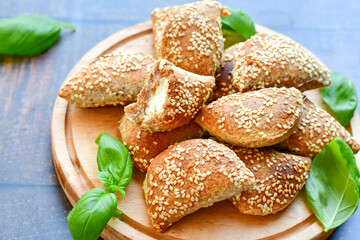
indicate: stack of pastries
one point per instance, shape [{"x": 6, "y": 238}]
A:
[{"x": 206, "y": 124}]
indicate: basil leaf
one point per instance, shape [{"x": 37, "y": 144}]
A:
[
  {"x": 95, "y": 208},
  {"x": 114, "y": 188},
  {"x": 333, "y": 187},
  {"x": 341, "y": 97},
  {"x": 91, "y": 214},
  {"x": 240, "y": 22},
  {"x": 106, "y": 179},
  {"x": 29, "y": 34},
  {"x": 231, "y": 38},
  {"x": 114, "y": 158},
  {"x": 118, "y": 214},
  {"x": 108, "y": 182},
  {"x": 127, "y": 174}
]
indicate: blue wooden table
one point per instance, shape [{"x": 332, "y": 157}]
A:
[{"x": 32, "y": 203}]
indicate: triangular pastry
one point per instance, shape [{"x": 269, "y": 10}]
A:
[
  {"x": 190, "y": 35},
  {"x": 271, "y": 60},
  {"x": 279, "y": 178},
  {"x": 253, "y": 119},
  {"x": 224, "y": 78},
  {"x": 144, "y": 145},
  {"x": 170, "y": 98},
  {"x": 315, "y": 130},
  {"x": 112, "y": 79},
  {"x": 190, "y": 175}
]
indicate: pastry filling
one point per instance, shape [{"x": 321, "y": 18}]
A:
[
  {"x": 145, "y": 188},
  {"x": 158, "y": 99}
]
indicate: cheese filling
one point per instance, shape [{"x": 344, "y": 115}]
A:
[
  {"x": 145, "y": 188},
  {"x": 157, "y": 101}
]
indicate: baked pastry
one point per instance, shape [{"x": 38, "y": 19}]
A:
[
  {"x": 190, "y": 35},
  {"x": 112, "y": 79},
  {"x": 170, "y": 98},
  {"x": 279, "y": 178},
  {"x": 190, "y": 175},
  {"x": 253, "y": 119},
  {"x": 315, "y": 130},
  {"x": 224, "y": 76},
  {"x": 144, "y": 146},
  {"x": 271, "y": 60}
]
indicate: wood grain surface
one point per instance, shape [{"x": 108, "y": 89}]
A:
[
  {"x": 33, "y": 203},
  {"x": 74, "y": 130}
]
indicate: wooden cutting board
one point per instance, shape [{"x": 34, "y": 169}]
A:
[{"x": 74, "y": 131}]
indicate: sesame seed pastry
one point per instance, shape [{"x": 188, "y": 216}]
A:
[
  {"x": 190, "y": 175},
  {"x": 279, "y": 178},
  {"x": 144, "y": 146},
  {"x": 315, "y": 130},
  {"x": 270, "y": 60},
  {"x": 112, "y": 79},
  {"x": 190, "y": 35},
  {"x": 224, "y": 76},
  {"x": 253, "y": 119},
  {"x": 170, "y": 98}
]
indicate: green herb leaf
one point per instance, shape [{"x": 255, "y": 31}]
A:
[
  {"x": 114, "y": 158},
  {"x": 240, "y": 22},
  {"x": 118, "y": 214},
  {"x": 341, "y": 97},
  {"x": 114, "y": 188},
  {"x": 231, "y": 38},
  {"x": 29, "y": 34},
  {"x": 95, "y": 208},
  {"x": 106, "y": 179},
  {"x": 333, "y": 187},
  {"x": 91, "y": 214}
]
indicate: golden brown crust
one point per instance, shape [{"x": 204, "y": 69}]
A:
[
  {"x": 271, "y": 60},
  {"x": 316, "y": 128},
  {"x": 279, "y": 178},
  {"x": 190, "y": 35},
  {"x": 144, "y": 146},
  {"x": 186, "y": 94},
  {"x": 191, "y": 175},
  {"x": 112, "y": 79},
  {"x": 224, "y": 76},
  {"x": 253, "y": 119}
]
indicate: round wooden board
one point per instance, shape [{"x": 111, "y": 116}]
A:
[{"x": 74, "y": 131}]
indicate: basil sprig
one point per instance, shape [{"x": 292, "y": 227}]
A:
[
  {"x": 341, "y": 97},
  {"x": 114, "y": 163},
  {"x": 237, "y": 27},
  {"x": 95, "y": 208},
  {"x": 91, "y": 214},
  {"x": 231, "y": 38},
  {"x": 29, "y": 34},
  {"x": 333, "y": 187}
]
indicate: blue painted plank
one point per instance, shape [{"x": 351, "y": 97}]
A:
[{"x": 33, "y": 212}]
